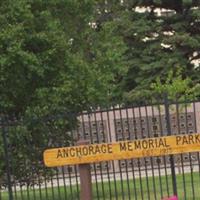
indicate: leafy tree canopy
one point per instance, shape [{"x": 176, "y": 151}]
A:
[
  {"x": 175, "y": 87},
  {"x": 52, "y": 59}
]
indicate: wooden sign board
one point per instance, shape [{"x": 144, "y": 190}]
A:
[{"x": 122, "y": 150}]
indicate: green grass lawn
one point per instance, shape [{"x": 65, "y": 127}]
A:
[{"x": 151, "y": 189}]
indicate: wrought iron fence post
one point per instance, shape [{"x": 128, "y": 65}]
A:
[
  {"x": 6, "y": 154},
  {"x": 169, "y": 132}
]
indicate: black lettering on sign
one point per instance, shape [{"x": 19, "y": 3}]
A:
[
  {"x": 59, "y": 154},
  {"x": 72, "y": 152},
  {"x": 97, "y": 149},
  {"x": 64, "y": 153},
  {"x": 151, "y": 143},
  {"x": 191, "y": 139},
  {"x": 144, "y": 144},
  {"x": 147, "y": 152},
  {"x": 197, "y": 138},
  {"x": 187, "y": 139},
  {"x": 91, "y": 149},
  {"x": 165, "y": 151},
  {"x": 110, "y": 148},
  {"x": 178, "y": 140},
  {"x": 103, "y": 148},
  {"x": 122, "y": 146},
  {"x": 137, "y": 144},
  {"x": 129, "y": 146},
  {"x": 165, "y": 142},
  {"x": 78, "y": 152},
  {"x": 85, "y": 151}
]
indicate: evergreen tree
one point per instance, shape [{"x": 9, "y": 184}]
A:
[{"x": 157, "y": 43}]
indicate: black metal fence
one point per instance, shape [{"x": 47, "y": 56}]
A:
[{"x": 23, "y": 175}]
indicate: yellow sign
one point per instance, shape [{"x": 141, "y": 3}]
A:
[{"x": 122, "y": 150}]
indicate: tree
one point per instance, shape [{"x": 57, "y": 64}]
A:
[
  {"x": 156, "y": 43},
  {"x": 53, "y": 62},
  {"x": 52, "y": 59}
]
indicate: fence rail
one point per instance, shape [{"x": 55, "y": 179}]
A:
[{"x": 23, "y": 175}]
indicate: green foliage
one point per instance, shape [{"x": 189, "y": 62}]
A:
[
  {"x": 175, "y": 86},
  {"x": 157, "y": 44},
  {"x": 51, "y": 59},
  {"x": 27, "y": 142},
  {"x": 72, "y": 55}
]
